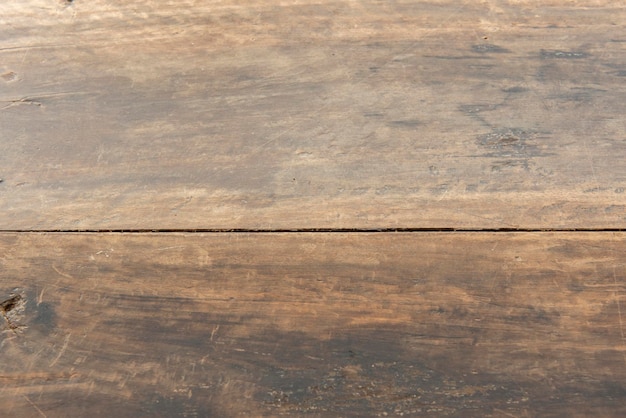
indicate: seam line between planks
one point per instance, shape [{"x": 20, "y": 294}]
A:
[{"x": 310, "y": 230}]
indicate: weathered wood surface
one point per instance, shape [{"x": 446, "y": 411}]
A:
[
  {"x": 327, "y": 114},
  {"x": 302, "y": 115},
  {"x": 326, "y": 324}
]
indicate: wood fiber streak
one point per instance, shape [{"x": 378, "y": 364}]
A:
[
  {"x": 443, "y": 324},
  {"x": 328, "y": 114}
]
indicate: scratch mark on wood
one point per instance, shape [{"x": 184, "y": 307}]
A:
[
  {"x": 169, "y": 248},
  {"x": 23, "y": 100},
  {"x": 21, "y": 377},
  {"x": 27, "y": 100},
  {"x": 67, "y": 276},
  {"x": 28, "y": 47},
  {"x": 443, "y": 195},
  {"x": 65, "y": 343},
  {"x": 504, "y": 413},
  {"x": 40, "y": 297},
  {"x": 215, "y": 329},
  {"x": 619, "y": 313},
  {"x": 35, "y": 406},
  {"x": 280, "y": 135}
]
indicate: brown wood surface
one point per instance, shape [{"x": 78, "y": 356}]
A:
[
  {"x": 328, "y": 114},
  {"x": 325, "y": 324},
  {"x": 303, "y": 115}
]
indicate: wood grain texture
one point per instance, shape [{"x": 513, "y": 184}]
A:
[
  {"x": 326, "y": 114},
  {"x": 326, "y": 324}
]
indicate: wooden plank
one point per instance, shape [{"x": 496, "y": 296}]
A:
[
  {"x": 326, "y": 114},
  {"x": 327, "y": 324}
]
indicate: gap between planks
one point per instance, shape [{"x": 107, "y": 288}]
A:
[{"x": 309, "y": 230}]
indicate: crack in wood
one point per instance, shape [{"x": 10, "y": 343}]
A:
[{"x": 304, "y": 230}]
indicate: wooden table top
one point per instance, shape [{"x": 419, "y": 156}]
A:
[{"x": 299, "y": 208}]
